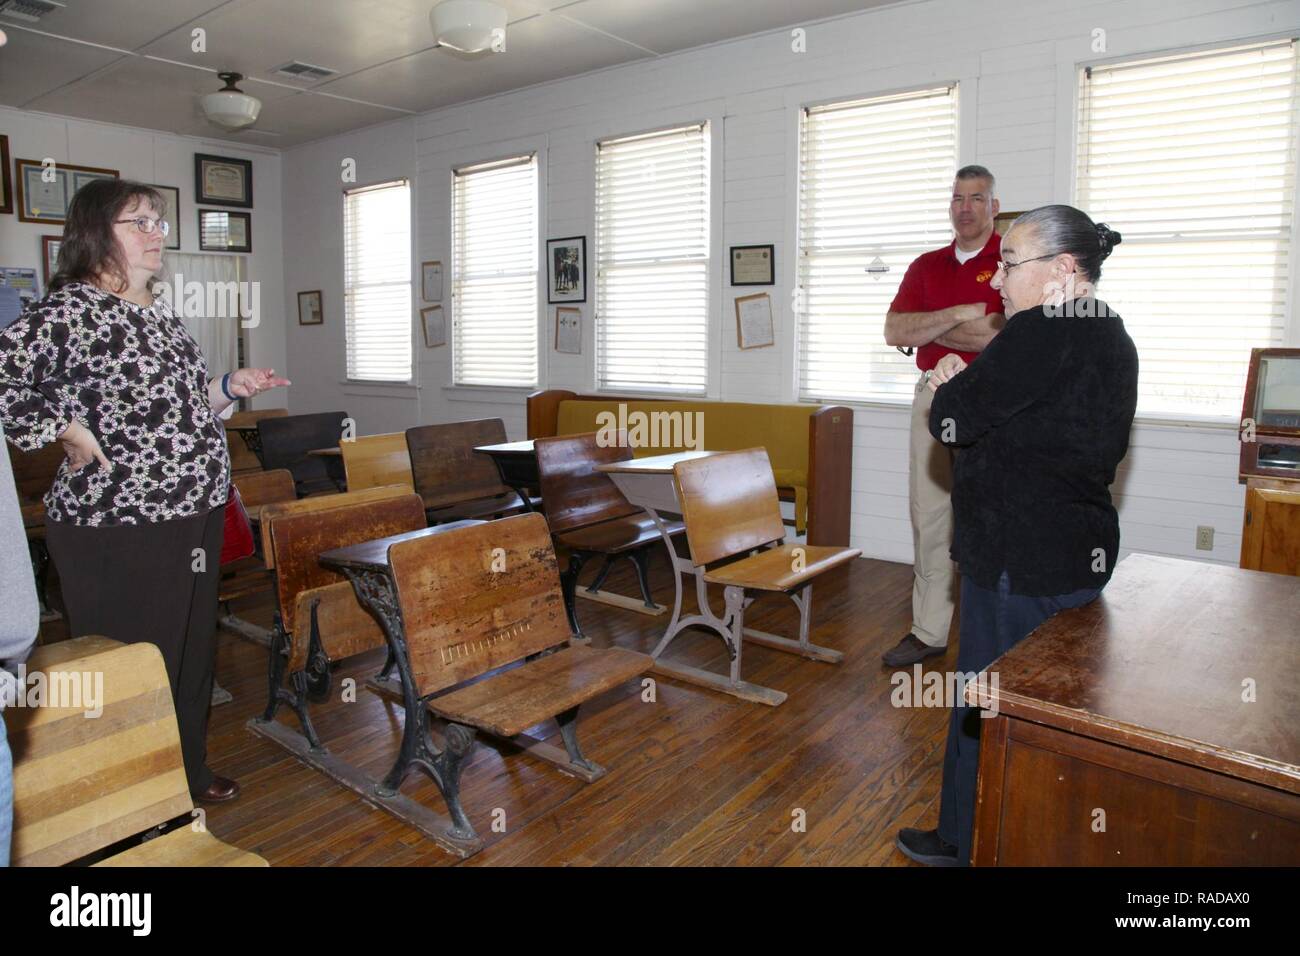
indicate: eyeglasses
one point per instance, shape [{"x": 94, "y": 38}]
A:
[
  {"x": 1006, "y": 266},
  {"x": 147, "y": 225}
]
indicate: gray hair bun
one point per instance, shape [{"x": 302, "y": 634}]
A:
[{"x": 1107, "y": 238}]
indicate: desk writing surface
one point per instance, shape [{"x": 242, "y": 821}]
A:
[
  {"x": 373, "y": 555},
  {"x": 524, "y": 447},
  {"x": 654, "y": 465},
  {"x": 1157, "y": 663}
]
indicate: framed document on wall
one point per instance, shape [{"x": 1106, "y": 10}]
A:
[
  {"x": 45, "y": 193},
  {"x": 221, "y": 231},
  {"x": 754, "y": 328},
  {"x": 753, "y": 265},
  {"x": 310, "y": 310},
  {"x": 568, "y": 330},
  {"x": 434, "y": 324},
  {"x": 50, "y": 256},
  {"x": 172, "y": 213},
  {"x": 223, "y": 181}
]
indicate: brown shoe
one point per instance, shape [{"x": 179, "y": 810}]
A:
[
  {"x": 219, "y": 790},
  {"x": 910, "y": 650}
]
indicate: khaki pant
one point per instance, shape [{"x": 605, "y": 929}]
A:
[{"x": 929, "y": 488}]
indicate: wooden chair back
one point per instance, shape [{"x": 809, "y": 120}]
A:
[
  {"x": 574, "y": 493},
  {"x": 377, "y": 460},
  {"x": 81, "y": 784},
  {"x": 242, "y": 457},
  {"x": 478, "y": 598},
  {"x": 317, "y": 504},
  {"x": 445, "y": 467},
  {"x": 729, "y": 503},
  {"x": 287, "y": 439},
  {"x": 298, "y": 540},
  {"x": 266, "y": 487},
  {"x": 344, "y": 626}
]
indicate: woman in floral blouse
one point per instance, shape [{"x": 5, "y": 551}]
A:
[{"x": 135, "y": 515}]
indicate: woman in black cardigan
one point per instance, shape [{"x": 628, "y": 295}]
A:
[{"x": 1040, "y": 419}]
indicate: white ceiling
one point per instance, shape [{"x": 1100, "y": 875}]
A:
[{"x": 131, "y": 62}]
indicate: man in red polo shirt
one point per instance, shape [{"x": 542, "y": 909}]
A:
[{"x": 945, "y": 304}]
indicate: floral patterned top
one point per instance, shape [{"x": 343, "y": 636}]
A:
[{"x": 137, "y": 379}]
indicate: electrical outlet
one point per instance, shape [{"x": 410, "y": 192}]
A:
[{"x": 1204, "y": 538}]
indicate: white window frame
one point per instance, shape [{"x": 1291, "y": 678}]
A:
[{"x": 381, "y": 384}]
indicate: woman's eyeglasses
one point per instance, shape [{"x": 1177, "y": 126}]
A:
[
  {"x": 1002, "y": 266},
  {"x": 147, "y": 225}
]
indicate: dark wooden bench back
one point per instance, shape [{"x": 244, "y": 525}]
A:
[
  {"x": 34, "y": 471},
  {"x": 286, "y": 441},
  {"x": 575, "y": 494},
  {"x": 462, "y": 617},
  {"x": 298, "y": 540},
  {"x": 242, "y": 457},
  {"x": 729, "y": 504},
  {"x": 319, "y": 503},
  {"x": 266, "y": 487},
  {"x": 445, "y": 466}
]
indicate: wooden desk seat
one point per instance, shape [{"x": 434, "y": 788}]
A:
[
  {"x": 82, "y": 784},
  {"x": 376, "y": 460},
  {"x": 454, "y": 481},
  {"x": 475, "y": 600},
  {"x": 590, "y": 517},
  {"x": 335, "y": 626},
  {"x": 257, "y": 488},
  {"x": 735, "y": 533},
  {"x": 285, "y": 443}
]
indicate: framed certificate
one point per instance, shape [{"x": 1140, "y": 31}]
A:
[
  {"x": 172, "y": 213},
  {"x": 753, "y": 265},
  {"x": 431, "y": 281},
  {"x": 435, "y": 326},
  {"x": 50, "y": 256},
  {"x": 44, "y": 193},
  {"x": 754, "y": 321},
  {"x": 310, "y": 310},
  {"x": 221, "y": 231},
  {"x": 223, "y": 181},
  {"x": 568, "y": 330}
]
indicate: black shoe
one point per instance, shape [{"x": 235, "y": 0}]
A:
[
  {"x": 926, "y": 846},
  {"x": 220, "y": 790},
  {"x": 910, "y": 650}
]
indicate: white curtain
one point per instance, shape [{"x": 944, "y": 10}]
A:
[{"x": 217, "y": 335}]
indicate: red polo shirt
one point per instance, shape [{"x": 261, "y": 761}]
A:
[{"x": 936, "y": 280}]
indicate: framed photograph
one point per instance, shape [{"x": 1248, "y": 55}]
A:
[
  {"x": 310, "y": 310},
  {"x": 1003, "y": 220},
  {"x": 44, "y": 195},
  {"x": 6, "y": 182},
  {"x": 172, "y": 198},
  {"x": 435, "y": 326},
  {"x": 50, "y": 256},
  {"x": 566, "y": 269},
  {"x": 431, "y": 281},
  {"x": 753, "y": 265},
  {"x": 221, "y": 231},
  {"x": 754, "y": 321},
  {"x": 223, "y": 180},
  {"x": 568, "y": 330}
]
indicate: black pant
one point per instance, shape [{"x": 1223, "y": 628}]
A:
[
  {"x": 137, "y": 582},
  {"x": 992, "y": 622}
]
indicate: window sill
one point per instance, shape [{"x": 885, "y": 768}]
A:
[
  {"x": 488, "y": 394},
  {"x": 398, "y": 390}
]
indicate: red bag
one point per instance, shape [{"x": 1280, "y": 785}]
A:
[{"x": 237, "y": 542}]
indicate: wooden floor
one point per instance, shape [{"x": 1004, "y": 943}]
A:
[{"x": 695, "y": 777}]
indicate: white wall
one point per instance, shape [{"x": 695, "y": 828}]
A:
[
  {"x": 1015, "y": 64},
  {"x": 166, "y": 160}
]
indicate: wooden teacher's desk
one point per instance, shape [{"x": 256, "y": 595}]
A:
[{"x": 1159, "y": 725}]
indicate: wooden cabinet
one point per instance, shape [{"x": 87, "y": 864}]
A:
[
  {"x": 1270, "y": 534},
  {"x": 1270, "y": 462}
]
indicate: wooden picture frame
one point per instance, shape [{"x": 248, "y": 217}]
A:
[
  {"x": 759, "y": 331},
  {"x": 431, "y": 281},
  {"x": 50, "y": 256},
  {"x": 757, "y": 265},
  {"x": 172, "y": 213},
  {"x": 312, "y": 305},
  {"x": 223, "y": 181},
  {"x": 69, "y": 178},
  {"x": 434, "y": 324},
  {"x": 568, "y": 330},
  {"x": 222, "y": 231},
  {"x": 6, "y": 178},
  {"x": 1003, "y": 220},
  {"x": 566, "y": 270}
]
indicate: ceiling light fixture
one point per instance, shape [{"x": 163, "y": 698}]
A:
[
  {"x": 230, "y": 106},
  {"x": 470, "y": 26}
]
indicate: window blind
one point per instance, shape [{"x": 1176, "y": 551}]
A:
[
  {"x": 377, "y": 282},
  {"x": 652, "y": 261},
  {"x": 494, "y": 273},
  {"x": 1192, "y": 158},
  {"x": 875, "y": 185}
]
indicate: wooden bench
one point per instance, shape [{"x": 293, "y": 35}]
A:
[
  {"x": 285, "y": 442},
  {"x": 810, "y": 446},
  {"x": 34, "y": 472},
  {"x": 735, "y": 533},
  {"x": 242, "y": 443},
  {"x": 473, "y": 601},
  {"x": 82, "y": 784},
  {"x": 455, "y": 481},
  {"x": 589, "y": 517},
  {"x": 376, "y": 460}
]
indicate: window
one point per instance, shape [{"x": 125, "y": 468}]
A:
[
  {"x": 494, "y": 273},
  {"x": 377, "y": 282},
  {"x": 875, "y": 185},
  {"x": 652, "y": 261},
  {"x": 1192, "y": 159}
]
